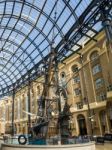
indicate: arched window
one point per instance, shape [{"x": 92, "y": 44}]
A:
[
  {"x": 63, "y": 75},
  {"x": 99, "y": 82},
  {"x": 94, "y": 56},
  {"x": 101, "y": 96},
  {"x": 38, "y": 90},
  {"x": 77, "y": 91},
  {"x": 32, "y": 91},
  {"x": 80, "y": 116},
  {"x": 74, "y": 68},
  {"x": 96, "y": 69},
  {"x": 76, "y": 79},
  {"x": 63, "y": 79}
]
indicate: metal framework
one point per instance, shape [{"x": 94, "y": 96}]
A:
[{"x": 26, "y": 28}]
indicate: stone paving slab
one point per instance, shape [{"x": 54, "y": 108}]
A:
[{"x": 106, "y": 146}]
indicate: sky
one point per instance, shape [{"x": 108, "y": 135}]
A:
[{"x": 18, "y": 53}]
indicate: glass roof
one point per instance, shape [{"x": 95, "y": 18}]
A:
[{"x": 26, "y": 28}]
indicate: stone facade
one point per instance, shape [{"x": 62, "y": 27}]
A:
[{"x": 87, "y": 76}]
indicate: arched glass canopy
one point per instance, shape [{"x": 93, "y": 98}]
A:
[{"x": 26, "y": 28}]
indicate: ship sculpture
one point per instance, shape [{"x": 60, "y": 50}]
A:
[{"x": 51, "y": 111}]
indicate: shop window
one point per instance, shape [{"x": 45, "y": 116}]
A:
[
  {"x": 75, "y": 69},
  {"x": 96, "y": 69},
  {"x": 77, "y": 91},
  {"x": 94, "y": 56},
  {"x": 99, "y": 83},
  {"x": 79, "y": 105},
  {"x": 76, "y": 79}
]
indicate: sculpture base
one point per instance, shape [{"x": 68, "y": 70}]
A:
[{"x": 87, "y": 146}]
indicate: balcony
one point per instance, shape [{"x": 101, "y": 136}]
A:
[
  {"x": 84, "y": 107},
  {"x": 109, "y": 92}
]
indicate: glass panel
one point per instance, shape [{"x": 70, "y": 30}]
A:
[
  {"x": 99, "y": 83},
  {"x": 96, "y": 69}
]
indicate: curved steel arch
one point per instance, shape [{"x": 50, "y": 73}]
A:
[
  {"x": 9, "y": 52},
  {"x": 47, "y": 16},
  {"x": 11, "y": 64},
  {"x": 4, "y": 79},
  {"x": 71, "y": 9},
  {"x": 21, "y": 33},
  {"x": 29, "y": 23},
  {"x": 19, "y": 46},
  {"x": 69, "y": 36},
  {"x": 6, "y": 74},
  {"x": 39, "y": 10},
  {"x": 34, "y": 27},
  {"x": 31, "y": 42},
  {"x": 22, "y": 62},
  {"x": 12, "y": 42}
]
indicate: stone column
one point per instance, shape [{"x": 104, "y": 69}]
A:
[
  {"x": 99, "y": 122},
  {"x": 76, "y": 125},
  {"x": 107, "y": 123}
]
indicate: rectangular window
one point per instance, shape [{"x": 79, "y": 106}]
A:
[
  {"x": 77, "y": 91},
  {"x": 79, "y": 105},
  {"x": 63, "y": 82},
  {"x": 101, "y": 96},
  {"x": 76, "y": 79},
  {"x": 96, "y": 69},
  {"x": 99, "y": 83}
]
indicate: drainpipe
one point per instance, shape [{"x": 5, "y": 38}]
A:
[
  {"x": 29, "y": 105},
  {"x": 13, "y": 97}
]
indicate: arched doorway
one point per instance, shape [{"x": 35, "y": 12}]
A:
[
  {"x": 109, "y": 112},
  {"x": 82, "y": 125},
  {"x": 103, "y": 120}
]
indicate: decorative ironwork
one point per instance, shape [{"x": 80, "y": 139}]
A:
[{"x": 26, "y": 35}]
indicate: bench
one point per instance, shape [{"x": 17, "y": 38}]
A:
[
  {"x": 108, "y": 137},
  {"x": 100, "y": 139}
]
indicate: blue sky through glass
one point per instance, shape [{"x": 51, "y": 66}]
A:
[{"x": 26, "y": 32}]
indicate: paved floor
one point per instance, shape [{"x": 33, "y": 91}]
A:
[{"x": 104, "y": 147}]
